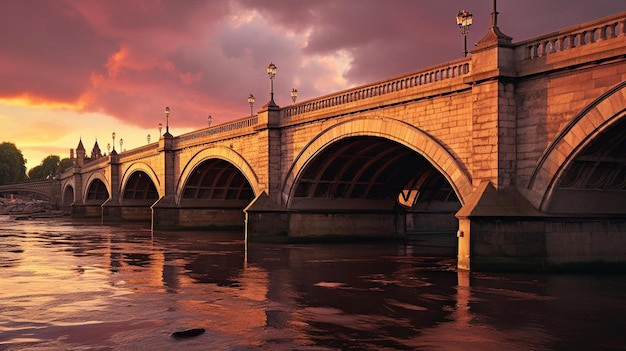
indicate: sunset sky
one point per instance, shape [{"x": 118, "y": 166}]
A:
[{"x": 72, "y": 69}]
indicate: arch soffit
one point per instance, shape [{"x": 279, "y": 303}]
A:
[
  {"x": 391, "y": 129},
  {"x": 219, "y": 152},
  {"x": 68, "y": 183},
  {"x": 597, "y": 117},
  {"x": 93, "y": 176},
  {"x": 140, "y": 167}
]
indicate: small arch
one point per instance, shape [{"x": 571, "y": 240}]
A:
[
  {"x": 96, "y": 177},
  {"x": 219, "y": 152},
  {"x": 141, "y": 167},
  {"x": 68, "y": 195}
]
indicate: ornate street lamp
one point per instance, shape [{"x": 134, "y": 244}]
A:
[
  {"x": 464, "y": 21},
  {"x": 109, "y": 148},
  {"x": 294, "y": 95},
  {"x": 121, "y": 143},
  {"x": 113, "y": 136},
  {"x": 148, "y": 138},
  {"x": 209, "y": 119},
  {"x": 167, "y": 119},
  {"x": 271, "y": 72},
  {"x": 160, "y": 128},
  {"x": 251, "y": 102}
]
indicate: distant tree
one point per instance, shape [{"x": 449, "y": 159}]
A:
[
  {"x": 12, "y": 164},
  {"x": 46, "y": 169},
  {"x": 36, "y": 173},
  {"x": 49, "y": 167},
  {"x": 65, "y": 164}
]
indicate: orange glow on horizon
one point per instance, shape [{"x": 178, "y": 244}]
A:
[{"x": 27, "y": 100}]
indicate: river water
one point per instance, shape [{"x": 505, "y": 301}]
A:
[{"x": 75, "y": 286}]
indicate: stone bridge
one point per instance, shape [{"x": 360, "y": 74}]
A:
[
  {"x": 48, "y": 190},
  {"x": 518, "y": 150}
]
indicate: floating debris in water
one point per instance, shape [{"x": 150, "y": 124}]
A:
[{"x": 189, "y": 333}]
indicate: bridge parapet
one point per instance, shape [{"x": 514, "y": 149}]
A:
[
  {"x": 423, "y": 77},
  {"x": 96, "y": 164},
  {"x": 583, "y": 35},
  {"x": 149, "y": 149},
  {"x": 235, "y": 125}
]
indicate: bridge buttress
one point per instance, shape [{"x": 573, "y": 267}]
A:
[
  {"x": 164, "y": 211},
  {"x": 111, "y": 210}
]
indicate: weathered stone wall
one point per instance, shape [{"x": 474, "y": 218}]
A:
[
  {"x": 546, "y": 104},
  {"x": 303, "y": 224},
  {"x": 585, "y": 240}
]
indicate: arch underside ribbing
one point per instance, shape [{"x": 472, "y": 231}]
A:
[
  {"x": 585, "y": 161},
  {"x": 217, "y": 176},
  {"x": 368, "y": 173},
  {"x": 375, "y": 149},
  {"x": 216, "y": 181},
  {"x": 139, "y": 189}
]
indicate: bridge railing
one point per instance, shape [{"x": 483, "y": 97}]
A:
[
  {"x": 140, "y": 150},
  {"x": 584, "y": 34},
  {"x": 426, "y": 76},
  {"x": 219, "y": 129}
]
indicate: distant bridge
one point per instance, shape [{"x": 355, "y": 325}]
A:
[
  {"x": 519, "y": 150},
  {"x": 49, "y": 189}
]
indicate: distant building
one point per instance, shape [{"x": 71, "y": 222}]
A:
[{"x": 81, "y": 154}]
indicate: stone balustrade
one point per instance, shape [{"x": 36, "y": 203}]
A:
[
  {"x": 584, "y": 34},
  {"x": 139, "y": 150},
  {"x": 219, "y": 129},
  {"x": 430, "y": 75}
]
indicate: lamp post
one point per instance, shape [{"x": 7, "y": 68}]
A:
[
  {"x": 109, "y": 148},
  {"x": 160, "y": 128},
  {"x": 271, "y": 72},
  {"x": 464, "y": 21},
  {"x": 113, "y": 136},
  {"x": 251, "y": 102},
  {"x": 209, "y": 119},
  {"x": 294, "y": 95},
  {"x": 148, "y": 138},
  {"x": 167, "y": 119},
  {"x": 121, "y": 143}
]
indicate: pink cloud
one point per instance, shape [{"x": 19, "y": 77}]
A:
[{"x": 130, "y": 59}]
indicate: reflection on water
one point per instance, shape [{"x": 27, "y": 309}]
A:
[{"x": 67, "y": 286}]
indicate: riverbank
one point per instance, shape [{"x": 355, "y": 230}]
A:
[{"x": 20, "y": 209}]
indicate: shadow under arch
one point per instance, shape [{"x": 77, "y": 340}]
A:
[
  {"x": 391, "y": 129},
  {"x": 217, "y": 152},
  {"x": 67, "y": 194},
  {"x": 598, "y": 116},
  {"x": 95, "y": 176},
  {"x": 141, "y": 167}
]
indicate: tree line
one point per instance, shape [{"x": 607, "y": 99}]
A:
[{"x": 13, "y": 166}]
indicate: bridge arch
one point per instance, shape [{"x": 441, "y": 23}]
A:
[
  {"x": 41, "y": 189},
  {"x": 599, "y": 116},
  {"x": 68, "y": 194},
  {"x": 217, "y": 152},
  {"x": 140, "y": 167},
  {"x": 387, "y": 128},
  {"x": 90, "y": 181}
]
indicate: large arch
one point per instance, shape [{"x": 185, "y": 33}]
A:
[
  {"x": 217, "y": 152},
  {"x": 387, "y": 128},
  {"x": 598, "y": 117}
]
